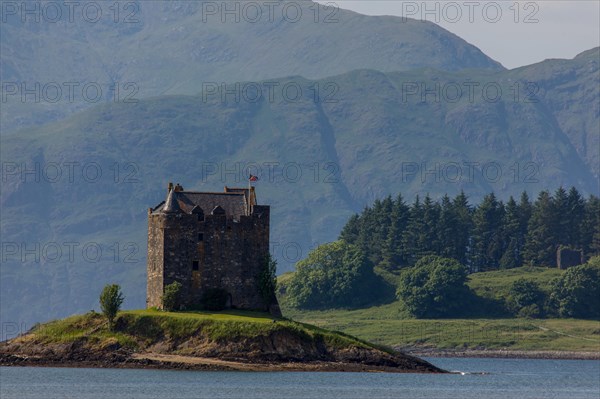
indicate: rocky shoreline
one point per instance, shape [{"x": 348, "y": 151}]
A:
[
  {"x": 501, "y": 353},
  {"x": 159, "y": 362}
]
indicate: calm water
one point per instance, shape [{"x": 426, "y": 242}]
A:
[{"x": 506, "y": 378}]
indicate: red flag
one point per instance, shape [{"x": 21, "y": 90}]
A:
[{"x": 253, "y": 178}]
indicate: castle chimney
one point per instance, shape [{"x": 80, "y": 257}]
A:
[{"x": 169, "y": 187}]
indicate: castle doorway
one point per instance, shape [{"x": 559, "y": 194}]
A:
[{"x": 228, "y": 302}]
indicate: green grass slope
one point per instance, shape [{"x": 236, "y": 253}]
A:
[{"x": 390, "y": 324}]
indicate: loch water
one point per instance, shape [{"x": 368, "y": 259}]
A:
[{"x": 477, "y": 379}]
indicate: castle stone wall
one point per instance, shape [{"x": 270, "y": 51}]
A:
[{"x": 230, "y": 255}]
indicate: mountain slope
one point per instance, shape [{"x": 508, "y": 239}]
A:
[
  {"x": 75, "y": 193},
  {"x": 176, "y": 47},
  {"x": 571, "y": 91}
]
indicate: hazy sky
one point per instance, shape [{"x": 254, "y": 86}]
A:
[{"x": 539, "y": 30}]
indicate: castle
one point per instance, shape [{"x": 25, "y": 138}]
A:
[{"x": 209, "y": 241}]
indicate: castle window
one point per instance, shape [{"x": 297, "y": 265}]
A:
[
  {"x": 195, "y": 265},
  {"x": 198, "y": 212},
  {"x": 200, "y": 237}
]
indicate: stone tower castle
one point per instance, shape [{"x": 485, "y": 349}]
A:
[{"x": 209, "y": 241}]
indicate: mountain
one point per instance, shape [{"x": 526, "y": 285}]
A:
[
  {"x": 75, "y": 192},
  {"x": 570, "y": 89},
  {"x": 78, "y": 55}
]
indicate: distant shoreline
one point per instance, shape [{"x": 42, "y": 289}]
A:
[{"x": 502, "y": 354}]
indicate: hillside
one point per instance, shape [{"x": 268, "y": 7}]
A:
[
  {"x": 75, "y": 192},
  {"x": 391, "y": 325},
  {"x": 217, "y": 341},
  {"x": 175, "y": 47}
]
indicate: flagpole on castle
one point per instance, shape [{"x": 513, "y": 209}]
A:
[{"x": 251, "y": 178}]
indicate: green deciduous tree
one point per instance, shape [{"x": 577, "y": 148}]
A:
[
  {"x": 525, "y": 298},
  {"x": 267, "y": 280},
  {"x": 172, "y": 296},
  {"x": 434, "y": 287},
  {"x": 577, "y": 292},
  {"x": 336, "y": 274},
  {"x": 111, "y": 300}
]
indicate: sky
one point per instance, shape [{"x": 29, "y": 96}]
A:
[{"x": 537, "y": 31}]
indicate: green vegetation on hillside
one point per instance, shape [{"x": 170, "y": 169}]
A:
[
  {"x": 137, "y": 329},
  {"x": 392, "y": 324},
  {"x": 417, "y": 248}
]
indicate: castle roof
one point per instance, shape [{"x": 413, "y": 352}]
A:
[{"x": 234, "y": 201}]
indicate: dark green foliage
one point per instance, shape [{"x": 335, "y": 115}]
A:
[
  {"x": 413, "y": 239},
  {"x": 171, "y": 298},
  {"x": 542, "y": 238},
  {"x": 111, "y": 300},
  {"x": 434, "y": 287},
  {"x": 215, "y": 299},
  {"x": 337, "y": 274},
  {"x": 487, "y": 244},
  {"x": 590, "y": 229},
  {"x": 393, "y": 256},
  {"x": 490, "y": 236},
  {"x": 267, "y": 280},
  {"x": 526, "y": 299},
  {"x": 462, "y": 226},
  {"x": 513, "y": 236},
  {"x": 577, "y": 292}
]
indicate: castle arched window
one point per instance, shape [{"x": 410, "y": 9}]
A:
[
  {"x": 218, "y": 210},
  {"x": 200, "y": 237},
  {"x": 195, "y": 265},
  {"x": 198, "y": 212}
]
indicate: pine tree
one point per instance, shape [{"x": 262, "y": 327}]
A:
[
  {"x": 351, "y": 230},
  {"x": 541, "y": 241},
  {"x": 393, "y": 257},
  {"x": 429, "y": 237},
  {"x": 525, "y": 210},
  {"x": 447, "y": 229},
  {"x": 412, "y": 241},
  {"x": 576, "y": 216},
  {"x": 563, "y": 221},
  {"x": 513, "y": 239},
  {"x": 463, "y": 224},
  {"x": 590, "y": 229},
  {"x": 487, "y": 234}
]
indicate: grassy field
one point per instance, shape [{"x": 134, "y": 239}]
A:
[
  {"x": 390, "y": 325},
  {"x": 495, "y": 284},
  {"x": 376, "y": 325}
]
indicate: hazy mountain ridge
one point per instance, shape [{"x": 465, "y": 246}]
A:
[
  {"x": 175, "y": 47},
  {"x": 321, "y": 160}
]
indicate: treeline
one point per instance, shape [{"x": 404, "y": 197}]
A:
[{"x": 492, "y": 235}]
